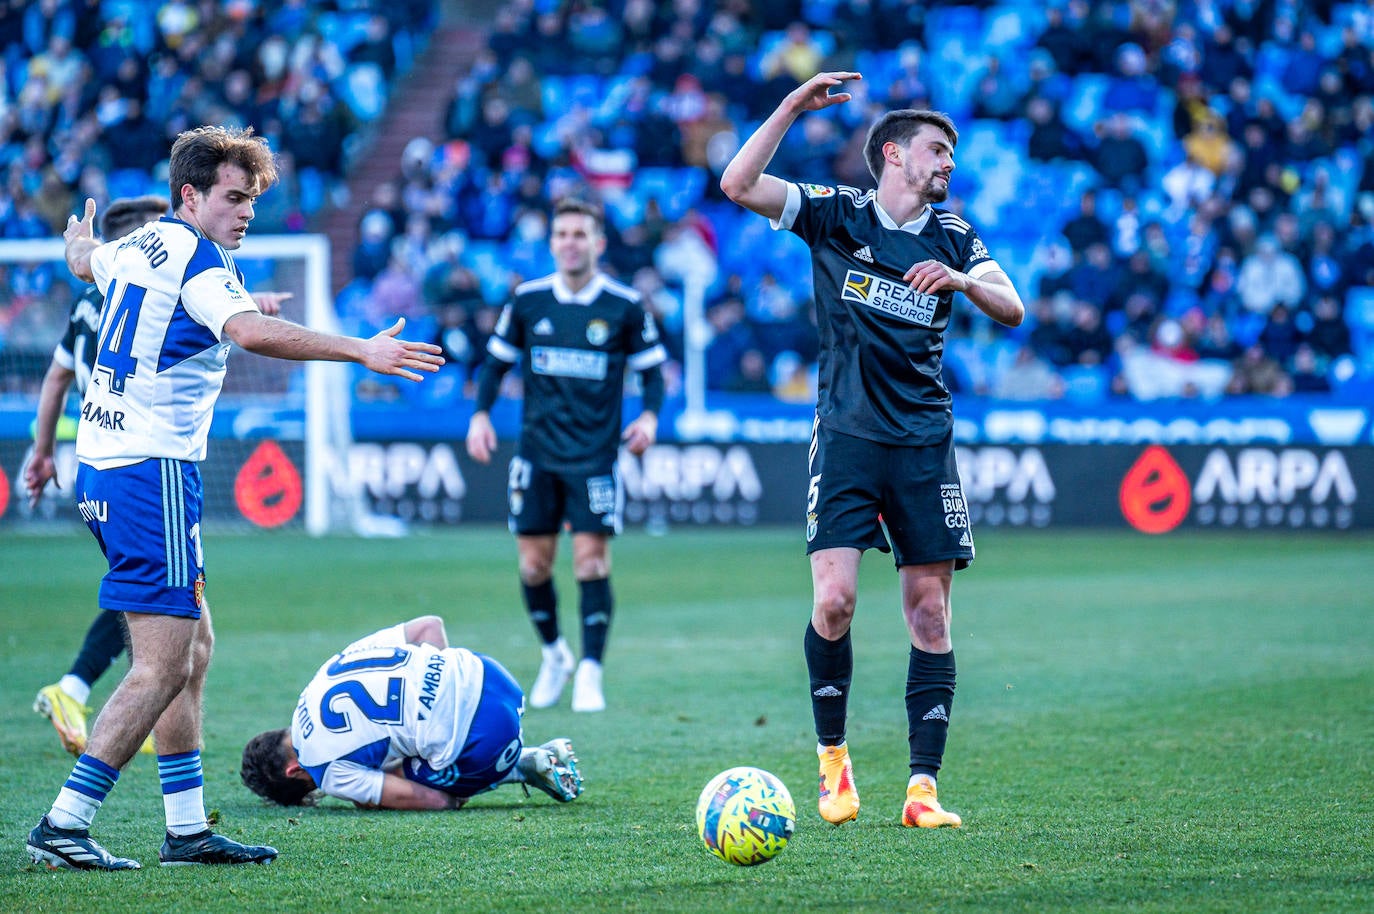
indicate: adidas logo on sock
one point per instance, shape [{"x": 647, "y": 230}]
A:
[
  {"x": 937, "y": 713},
  {"x": 827, "y": 692},
  {"x": 865, "y": 254}
]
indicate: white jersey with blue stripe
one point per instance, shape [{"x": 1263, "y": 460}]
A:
[
  {"x": 381, "y": 701},
  {"x": 160, "y": 361}
]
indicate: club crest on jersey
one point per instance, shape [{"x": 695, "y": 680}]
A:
[
  {"x": 598, "y": 332},
  {"x": 894, "y": 299},
  {"x": 817, "y": 190}
]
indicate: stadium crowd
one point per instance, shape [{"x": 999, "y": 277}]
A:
[{"x": 1184, "y": 188}]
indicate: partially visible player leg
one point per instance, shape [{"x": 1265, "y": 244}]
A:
[
  {"x": 592, "y": 567},
  {"x": 65, "y": 701},
  {"x": 537, "y": 555},
  {"x": 929, "y": 688},
  {"x": 189, "y": 839},
  {"x": 62, "y": 838},
  {"x": 830, "y": 665}
]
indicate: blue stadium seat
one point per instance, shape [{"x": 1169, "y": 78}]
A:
[
  {"x": 1083, "y": 107},
  {"x": 1087, "y": 385},
  {"x": 675, "y": 189},
  {"x": 1359, "y": 316},
  {"x": 486, "y": 258}
]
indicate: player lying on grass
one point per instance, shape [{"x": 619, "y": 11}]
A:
[{"x": 400, "y": 720}]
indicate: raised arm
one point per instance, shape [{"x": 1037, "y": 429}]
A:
[
  {"x": 744, "y": 180},
  {"x": 382, "y": 353}
]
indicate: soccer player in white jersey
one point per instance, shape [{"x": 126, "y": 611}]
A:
[
  {"x": 886, "y": 265},
  {"x": 401, "y": 720},
  {"x": 174, "y": 303},
  {"x": 64, "y": 702}
]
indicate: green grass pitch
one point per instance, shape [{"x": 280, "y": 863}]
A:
[{"x": 1175, "y": 724}]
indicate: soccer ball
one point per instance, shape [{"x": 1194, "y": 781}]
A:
[{"x": 745, "y": 816}]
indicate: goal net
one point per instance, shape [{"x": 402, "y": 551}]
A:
[{"x": 281, "y": 436}]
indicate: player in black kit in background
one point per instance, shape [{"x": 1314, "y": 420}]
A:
[
  {"x": 886, "y": 265},
  {"x": 577, "y": 331}
]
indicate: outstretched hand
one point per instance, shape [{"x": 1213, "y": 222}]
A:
[
  {"x": 385, "y": 354},
  {"x": 814, "y": 94}
]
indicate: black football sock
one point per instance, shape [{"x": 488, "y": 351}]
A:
[
  {"x": 929, "y": 699},
  {"x": 596, "y": 604},
  {"x": 104, "y": 641},
  {"x": 831, "y": 666},
  {"x": 541, "y": 600}
]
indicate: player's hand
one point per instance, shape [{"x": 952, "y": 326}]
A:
[
  {"x": 83, "y": 227},
  {"x": 270, "y": 303},
  {"x": 934, "y": 276},
  {"x": 80, "y": 241},
  {"x": 814, "y": 94},
  {"x": 641, "y": 433},
  {"x": 37, "y": 472},
  {"x": 385, "y": 354},
  {"x": 481, "y": 440}
]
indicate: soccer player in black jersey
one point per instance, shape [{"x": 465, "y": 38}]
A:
[
  {"x": 886, "y": 265},
  {"x": 577, "y": 331}
]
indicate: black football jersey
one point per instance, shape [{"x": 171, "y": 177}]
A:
[
  {"x": 78, "y": 347},
  {"x": 576, "y": 348},
  {"x": 881, "y": 341}
]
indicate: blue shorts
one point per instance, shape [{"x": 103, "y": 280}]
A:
[
  {"x": 493, "y": 744},
  {"x": 146, "y": 518}
]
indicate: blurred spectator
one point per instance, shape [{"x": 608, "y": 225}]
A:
[
  {"x": 1280, "y": 336},
  {"x": 1028, "y": 378},
  {"x": 1308, "y": 375},
  {"x": 1050, "y": 137},
  {"x": 1088, "y": 341},
  {"x": 1269, "y": 276},
  {"x": 1085, "y": 228},
  {"x": 1119, "y": 157},
  {"x": 1330, "y": 335},
  {"x": 1216, "y": 342},
  {"x": 1256, "y": 373}
]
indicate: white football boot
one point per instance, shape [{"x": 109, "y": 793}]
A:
[
  {"x": 587, "y": 695},
  {"x": 554, "y": 672}
]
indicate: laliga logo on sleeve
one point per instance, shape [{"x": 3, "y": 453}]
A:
[{"x": 1155, "y": 494}]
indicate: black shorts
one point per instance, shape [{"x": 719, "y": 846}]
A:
[
  {"x": 541, "y": 501},
  {"x": 859, "y": 487}
]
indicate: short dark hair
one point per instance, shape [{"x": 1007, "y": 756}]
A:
[
  {"x": 580, "y": 207},
  {"x": 264, "y": 770},
  {"x": 197, "y": 155},
  {"x": 899, "y": 127},
  {"x": 128, "y": 213}
]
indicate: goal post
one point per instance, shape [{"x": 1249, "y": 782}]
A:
[{"x": 304, "y": 407}]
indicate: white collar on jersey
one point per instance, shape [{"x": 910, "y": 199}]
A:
[
  {"x": 585, "y": 296},
  {"x": 914, "y": 226}
]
